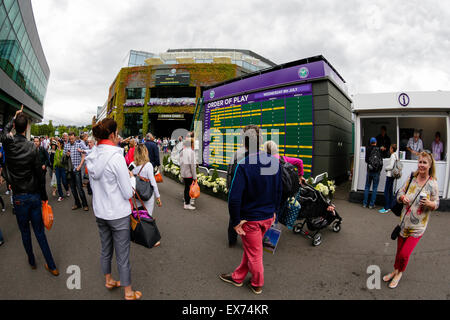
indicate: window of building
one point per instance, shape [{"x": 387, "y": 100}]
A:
[
  {"x": 135, "y": 93},
  {"x": 14, "y": 11},
  {"x": 427, "y": 128},
  {"x": 371, "y": 127},
  {"x": 400, "y": 129},
  {"x": 173, "y": 92},
  {"x": 2, "y": 15},
  {"x": 8, "y": 4},
  {"x": 132, "y": 124},
  {"x": 17, "y": 22}
]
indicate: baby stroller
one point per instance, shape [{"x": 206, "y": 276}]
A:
[{"x": 315, "y": 215}]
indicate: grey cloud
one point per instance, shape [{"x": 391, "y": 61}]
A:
[{"x": 377, "y": 46}]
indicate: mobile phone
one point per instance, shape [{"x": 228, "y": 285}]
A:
[{"x": 131, "y": 166}]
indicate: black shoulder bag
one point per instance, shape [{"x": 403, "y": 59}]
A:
[
  {"x": 143, "y": 186},
  {"x": 397, "y": 229},
  {"x": 398, "y": 206}
]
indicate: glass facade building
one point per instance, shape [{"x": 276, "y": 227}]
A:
[
  {"x": 246, "y": 59},
  {"x": 24, "y": 72},
  {"x": 17, "y": 57},
  {"x": 137, "y": 58}
]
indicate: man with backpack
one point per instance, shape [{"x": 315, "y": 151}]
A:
[{"x": 374, "y": 162}]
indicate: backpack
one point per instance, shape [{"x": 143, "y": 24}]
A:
[
  {"x": 397, "y": 170},
  {"x": 289, "y": 176},
  {"x": 375, "y": 160}
]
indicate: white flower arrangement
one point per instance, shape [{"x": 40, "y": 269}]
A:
[
  {"x": 327, "y": 188},
  {"x": 217, "y": 186},
  {"x": 322, "y": 188}
]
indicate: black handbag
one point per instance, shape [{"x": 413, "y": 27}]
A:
[
  {"x": 396, "y": 232},
  {"x": 398, "y": 206},
  {"x": 144, "y": 230},
  {"x": 143, "y": 187}
]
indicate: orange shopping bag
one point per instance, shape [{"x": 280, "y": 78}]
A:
[
  {"x": 194, "y": 191},
  {"x": 158, "y": 177},
  {"x": 47, "y": 215}
]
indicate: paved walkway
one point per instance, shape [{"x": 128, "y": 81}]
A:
[{"x": 194, "y": 251}]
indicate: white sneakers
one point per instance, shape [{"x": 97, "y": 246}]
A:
[{"x": 188, "y": 207}]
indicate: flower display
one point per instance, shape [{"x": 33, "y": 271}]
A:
[
  {"x": 171, "y": 102},
  {"x": 217, "y": 185},
  {"x": 134, "y": 103},
  {"x": 327, "y": 187}
]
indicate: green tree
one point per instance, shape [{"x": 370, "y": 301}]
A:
[{"x": 51, "y": 129}]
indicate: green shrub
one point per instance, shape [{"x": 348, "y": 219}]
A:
[
  {"x": 214, "y": 175},
  {"x": 165, "y": 160}
]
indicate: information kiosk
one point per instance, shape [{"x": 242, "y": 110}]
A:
[{"x": 402, "y": 113}]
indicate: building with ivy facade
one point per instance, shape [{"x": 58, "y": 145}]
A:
[
  {"x": 158, "y": 93},
  {"x": 24, "y": 71}
]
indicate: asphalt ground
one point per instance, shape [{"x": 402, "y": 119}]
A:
[{"x": 194, "y": 251}]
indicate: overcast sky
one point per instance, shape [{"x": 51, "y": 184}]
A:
[{"x": 380, "y": 46}]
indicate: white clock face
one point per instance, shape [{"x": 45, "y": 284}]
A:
[{"x": 173, "y": 71}]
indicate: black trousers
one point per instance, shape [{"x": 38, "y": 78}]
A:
[
  {"x": 44, "y": 196},
  {"x": 77, "y": 189},
  {"x": 187, "y": 186}
]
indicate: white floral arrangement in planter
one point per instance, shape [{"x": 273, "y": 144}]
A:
[
  {"x": 173, "y": 169},
  {"x": 219, "y": 185}
]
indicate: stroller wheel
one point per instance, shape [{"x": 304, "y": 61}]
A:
[
  {"x": 336, "y": 227},
  {"x": 297, "y": 229},
  {"x": 317, "y": 240}
]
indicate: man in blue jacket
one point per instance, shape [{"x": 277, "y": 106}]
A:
[
  {"x": 153, "y": 151},
  {"x": 253, "y": 200}
]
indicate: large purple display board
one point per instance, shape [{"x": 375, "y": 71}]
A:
[
  {"x": 279, "y": 102},
  {"x": 283, "y": 114}
]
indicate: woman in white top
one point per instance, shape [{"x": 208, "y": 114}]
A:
[
  {"x": 188, "y": 170},
  {"x": 112, "y": 187},
  {"x": 141, "y": 159},
  {"x": 388, "y": 188}
]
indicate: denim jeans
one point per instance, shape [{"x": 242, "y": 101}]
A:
[
  {"x": 388, "y": 193},
  {"x": 28, "y": 209},
  {"x": 76, "y": 184},
  {"x": 61, "y": 178},
  {"x": 375, "y": 178}
]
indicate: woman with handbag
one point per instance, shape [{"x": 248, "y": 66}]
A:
[
  {"x": 421, "y": 198},
  {"x": 112, "y": 187},
  {"x": 188, "y": 170},
  {"x": 389, "y": 186},
  {"x": 144, "y": 168}
]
